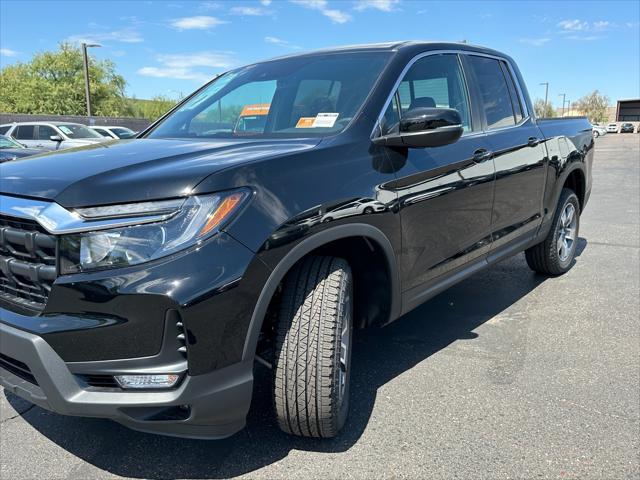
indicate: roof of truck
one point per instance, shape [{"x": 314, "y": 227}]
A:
[{"x": 396, "y": 47}]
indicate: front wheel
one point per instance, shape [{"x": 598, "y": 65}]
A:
[
  {"x": 554, "y": 255},
  {"x": 313, "y": 348},
  {"x": 596, "y": 134}
]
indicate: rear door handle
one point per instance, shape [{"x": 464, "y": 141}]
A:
[
  {"x": 533, "y": 141},
  {"x": 482, "y": 155}
]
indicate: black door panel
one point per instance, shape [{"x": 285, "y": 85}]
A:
[
  {"x": 445, "y": 200},
  {"x": 520, "y": 178}
]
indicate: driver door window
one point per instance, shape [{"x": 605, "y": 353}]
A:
[
  {"x": 433, "y": 81},
  {"x": 43, "y": 137}
]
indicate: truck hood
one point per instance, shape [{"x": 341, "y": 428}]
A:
[{"x": 133, "y": 170}]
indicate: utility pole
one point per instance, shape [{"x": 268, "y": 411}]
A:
[
  {"x": 85, "y": 59},
  {"x": 563, "y": 95},
  {"x": 546, "y": 93}
]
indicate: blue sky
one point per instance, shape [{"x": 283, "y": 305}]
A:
[{"x": 171, "y": 47}]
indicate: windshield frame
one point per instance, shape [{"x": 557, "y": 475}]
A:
[{"x": 389, "y": 54}]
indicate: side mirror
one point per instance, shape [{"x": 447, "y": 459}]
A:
[
  {"x": 55, "y": 138},
  {"x": 425, "y": 127}
]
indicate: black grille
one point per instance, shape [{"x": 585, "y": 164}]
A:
[
  {"x": 18, "y": 368},
  {"x": 27, "y": 263}
]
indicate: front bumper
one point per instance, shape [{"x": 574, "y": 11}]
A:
[{"x": 208, "y": 406}]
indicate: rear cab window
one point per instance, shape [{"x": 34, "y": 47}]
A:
[
  {"x": 498, "y": 95},
  {"x": 24, "y": 132}
]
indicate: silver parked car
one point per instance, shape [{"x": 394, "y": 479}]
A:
[
  {"x": 51, "y": 135},
  {"x": 117, "y": 133},
  {"x": 598, "y": 130}
]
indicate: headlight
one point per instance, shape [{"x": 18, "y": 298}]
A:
[{"x": 187, "y": 222}]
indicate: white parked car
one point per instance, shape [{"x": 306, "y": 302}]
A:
[
  {"x": 598, "y": 130},
  {"x": 358, "y": 207},
  {"x": 118, "y": 133},
  {"x": 612, "y": 128},
  {"x": 51, "y": 135}
]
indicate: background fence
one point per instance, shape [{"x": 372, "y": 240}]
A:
[{"x": 135, "y": 124}]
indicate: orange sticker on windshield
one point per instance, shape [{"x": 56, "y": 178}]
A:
[
  {"x": 305, "y": 122},
  {"x": 257, "y": 109}
]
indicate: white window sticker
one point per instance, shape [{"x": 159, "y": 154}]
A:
[
  {"x": 65, "y": 130},
  {"x": 325, "y": 120}
]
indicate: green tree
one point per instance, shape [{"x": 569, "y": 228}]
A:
[
  {"x": 53, "y": 83},
  {"x": 543, "y": 110},
  {"x": 151, "y": 109},
  {"x": 594, "y": 106}
]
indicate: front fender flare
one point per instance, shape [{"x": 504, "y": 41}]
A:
[{"x": 303, "y": 248}]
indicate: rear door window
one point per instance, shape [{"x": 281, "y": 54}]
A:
[
  {"x": 24, "y": 132},
  {"x": 495, "y": 97},
  {"x": 515, "y": 98}
]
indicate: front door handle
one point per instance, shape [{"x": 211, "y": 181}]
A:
[
  {"x": 533, "y": 141},
  {"x": 482, "y": 155}
]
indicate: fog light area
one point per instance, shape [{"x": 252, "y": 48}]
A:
[{"x": 148, "y": 381}]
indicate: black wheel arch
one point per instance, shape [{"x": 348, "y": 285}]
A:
[{"x": 305, "y": 247}]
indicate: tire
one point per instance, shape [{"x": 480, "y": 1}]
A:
[
  {"x": 596, "y": 134},
  {"x": 311, "y": 397},
  {"x": 548, "y": 257},
  {"x": 368, "y": 211}
]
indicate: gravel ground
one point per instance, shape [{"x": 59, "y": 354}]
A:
[{"x": 506, "y": 375}]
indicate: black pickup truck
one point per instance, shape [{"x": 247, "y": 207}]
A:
[{"x": 144, "y": 280}]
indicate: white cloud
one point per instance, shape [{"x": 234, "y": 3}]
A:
[
  {"x": 199, "y": 22},
  {"x": 281, "y": 43},
  {"x": 336, "y": 16},
  {"x": 573, "y": 25},
  {"x": 535, "y": 42},
  {"x": 185, "y": 66},
  {"x": 210, "y": 6},
  {"x": 382, "y": 5},
  {"x": 602, "y": 25},
  {"x": 177, "y": 73},
  {"x": 583, "y": 30},
  {"x": 587, "y": 38},
  {"x": 266, "y": 3},
  {"x": 125, "y": 36},
  {"x": 200, "y": 59},
  {"x": 248, "y": 11},
  {"x": 7, "y": 52}
]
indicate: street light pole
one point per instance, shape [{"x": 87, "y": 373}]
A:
[
  {"x": 85, "y": 60},
  {"x": 563, "y": 95},
  {"x": 546, "y": 93}
]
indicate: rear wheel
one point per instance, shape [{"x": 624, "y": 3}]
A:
[
  {"x": 554, "y": 256},
  {"x": 596, "y": 134},
  {"x": 313, "y": 348}
]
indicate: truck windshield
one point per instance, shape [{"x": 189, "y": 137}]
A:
[
  {"x": 306, "y": 96},
  {"x": 75, "y": 131}
]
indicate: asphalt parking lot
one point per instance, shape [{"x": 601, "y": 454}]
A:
[{"x": 506, "y": 375}]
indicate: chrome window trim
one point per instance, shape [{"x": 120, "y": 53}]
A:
[
  {"x": 526, "y": 115},
  {"x": 58, "y": 220}
]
